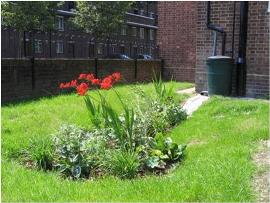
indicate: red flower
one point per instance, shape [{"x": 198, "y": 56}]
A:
[
  {"x": 90, "y": 77},
  {"x": 82, "y": 89},
  {"x": 96, "y": 81},
  {"x": 108, "y": 79},
  {"x": 82, "y": 76},
  {"x": 62, "y": 86},
  {"x": 116, "y": 76},
  {"x": 105, "y": 85},
  {"x": 73, "y": 83}
]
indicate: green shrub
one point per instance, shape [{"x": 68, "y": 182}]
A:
[
  {"x": 77, "y": 152},
  {"x": 39, "y": 154},
  {"x": 123, "y": 164}
]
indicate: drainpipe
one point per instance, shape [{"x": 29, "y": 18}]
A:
[
  {"x": 241, "y": 60},
  {"x": 215, "y": 27}
]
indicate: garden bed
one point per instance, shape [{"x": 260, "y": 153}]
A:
[{"x": 220, "y": 138}]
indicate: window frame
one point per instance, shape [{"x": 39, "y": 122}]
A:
[
  {"x": 134, "y": 31},
  {"x": 60, "y": 23},
  {"x": 100, "y": 48},
  {"x": 59, "y": 49},
  {"x": 151, "y": 34},
  {"x": 123, "y": 30},
  {"x": 142, "y": 33},
  {"x": 38, "y": 46}
]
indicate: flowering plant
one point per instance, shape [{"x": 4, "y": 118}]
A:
[
  {"x": 85, "y": 81},
  {"x": 101, "y": 112}
]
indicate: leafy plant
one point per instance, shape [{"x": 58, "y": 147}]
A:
[
  {"x": 77, "y": 151},
  {"x": 124, "y": 164},
  {"x": 162, "y": 93},
  {"x": 39, "y": 154}
]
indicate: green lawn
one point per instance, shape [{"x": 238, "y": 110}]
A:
[{"x": 221, "y": 137}]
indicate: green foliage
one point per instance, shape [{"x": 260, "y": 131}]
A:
[
  {"x": 162, "y": 92},
  {"x": 100, "y": 18},
  {"x": 94, "y": 112},
  {"x": 39, "y": 154},
  {"x": 29, "y": 15},
  {"x": 119, "y": 143},
  {"x": 77, "y": 152},
  {"x": 123, "y": 164},
  {"x": 162, "y": 152}
]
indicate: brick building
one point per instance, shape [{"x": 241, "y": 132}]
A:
[
  {"x": 136, "y": 36},
  {"x": 176, "y": 38},
  {"x": 253, "y": 80},
  {"x": 185, "y": 42}
]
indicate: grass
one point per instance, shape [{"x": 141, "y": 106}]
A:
[{"x": 221, "y": 137}]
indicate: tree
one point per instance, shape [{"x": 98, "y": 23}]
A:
[
  {"x": 101, "y": 18},
  {"x": 28, "y": 15}
]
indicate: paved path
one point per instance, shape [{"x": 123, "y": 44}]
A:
[
  {"x": 187, "y": 91},
  {"x": 194, "y": 102}
]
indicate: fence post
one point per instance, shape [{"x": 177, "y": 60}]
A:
[
  {"x": 135, "y": 68},
  {"x": 96, "y": 67},
  {"x": 162, "y": 68},
  {"x": 32, "y": 60}
]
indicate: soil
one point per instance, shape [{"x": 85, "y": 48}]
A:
[{"x": 261, "y": 180}]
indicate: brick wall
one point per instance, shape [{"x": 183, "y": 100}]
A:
[
  {"x": 176, "y": 38},
  {"x": 25, "y": 79},
  {"x": 257, "y": 53}
]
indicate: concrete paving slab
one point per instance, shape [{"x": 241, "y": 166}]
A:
[
  {"x": 187, "y": 91},
  {"x": 193, "y": 103}
]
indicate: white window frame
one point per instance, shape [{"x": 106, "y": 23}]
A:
[
  {"x": 38, "y": 46},
  {"x": 123, "y": 30},
  {"x": 141, "y": 33},
  {"x": 59, "y": 47},
  {"x": 151, "y": 34},
  {"x": 134, "y": 31},
  {"x": 60, "y": 23},
  {"x": 100, "y": 49}
]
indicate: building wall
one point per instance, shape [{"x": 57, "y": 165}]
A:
[
  {"x": 176, "y": 38},
  {"x": 25, "y": 79},
  {"x": 257, "y": 53}
]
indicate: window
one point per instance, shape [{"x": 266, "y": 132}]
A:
[
  {"x": 122, "y": 49},
  {"x": 59, "y": 47},
  {"x": 135, "y": 52},
  {"x": 136, "y": 11},
  {"x": 113, "y": 49},
  {"x": 71, "y": 5},
  {"x": 124, "y": 30},
  {"x": 150, "y": 51},
  {"x": 38, "y": 46},
  {"x": 268, "y": 6},
  {"x": 134, "y": 31},
  {"x": 151, "y": 15},
  {"x": 60, "y": 25},
  {"x": 152, "y": 32},
  {"x": 142, "y": 33},
  {"x": 141, "y": 50},
  {"x": 141, "y": 12},
  {"x": 100, "y": 49}
]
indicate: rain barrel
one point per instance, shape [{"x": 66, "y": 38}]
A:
[{"x": 219, "y": 74}]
